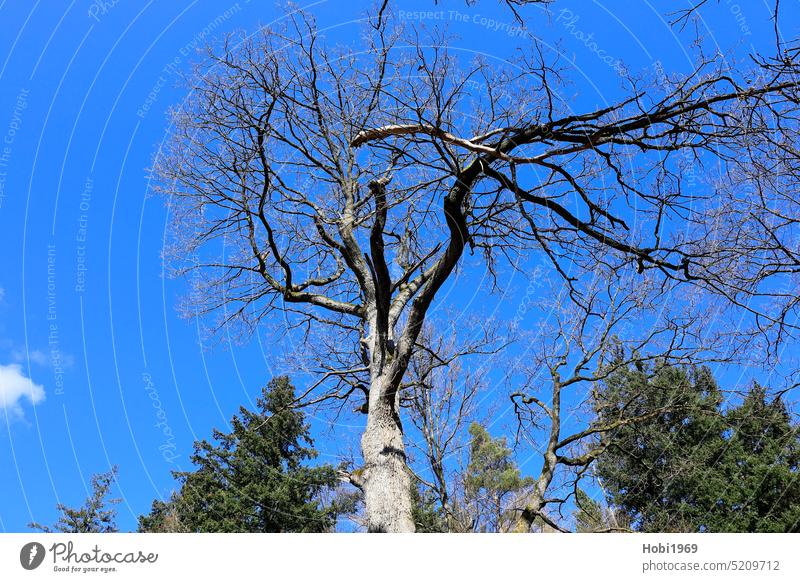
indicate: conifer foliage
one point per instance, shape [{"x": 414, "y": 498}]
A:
[
  {"x": 96, "y": 515},
  {"x": 255, "y": 478},
  {"x": 701, "y": 465}
]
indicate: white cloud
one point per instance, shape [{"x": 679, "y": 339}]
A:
[
  {"x": 34, "y": 357},
  {"x": 38, "y": 357},
  {"x": 14, "y": 386}
]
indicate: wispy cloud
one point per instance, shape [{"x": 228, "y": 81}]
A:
[
  {"x": 14, "y": 386},
  {"x": 35, "y": 357}
]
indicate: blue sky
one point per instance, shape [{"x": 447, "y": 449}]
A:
[{"x": 96, "y": 367}]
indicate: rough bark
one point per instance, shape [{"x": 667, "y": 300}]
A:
[
  {"x": 386, "y": 481},
  {"x": 323, "y": 187}
]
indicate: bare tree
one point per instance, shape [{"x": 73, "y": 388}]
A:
[
  {"x": 341, "y": 187},
  {"x": 446, "y": 382},
  {"x": 574, "y": 356}
]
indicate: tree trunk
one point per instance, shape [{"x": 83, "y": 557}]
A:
[{"x": 385, "y": 477}]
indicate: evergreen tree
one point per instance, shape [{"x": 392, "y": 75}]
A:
[
  {"x": 695, "y": 467},
  {"x": 762, "y": 469},
  {"x": 164, "y": 517},
  {"x": 661, "y": 472},
  {"x": 491, "y": 480},
  {"x": 593, "y": 515},
  {"x": 589, "y": 514},
  {"x": 428, "y": 515},
  {"x": 255, "y": 478},
  {"x": 96, "y": 515}
]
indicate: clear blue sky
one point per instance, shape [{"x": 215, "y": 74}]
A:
[{"x": 95, "y": 364}]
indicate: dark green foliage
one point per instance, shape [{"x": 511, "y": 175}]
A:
[
  {"x": 96, "y": 515},
  {"x": 694, "y": 466},
  {"x": 589, "y": 515},
  {"x": 762, "y": 468},
  {"x": 427, "y": 513},
  {"x": 164, "y": 517},
  {"x": 661, "y": 472},
  {"x": 592, "y": 515},
  {"x": 254, "y": 478}
]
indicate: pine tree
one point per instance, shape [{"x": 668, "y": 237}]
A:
[
  {"x": 428, "y": 515},
  {"x": 589, "y": 516},
  {"x": 255, "y": 478},
  {"x": 491, "y": 480},
  {"x": 96, "y": 515},
  {"x": 594, "y": 515}
]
